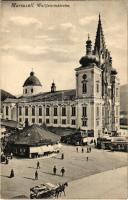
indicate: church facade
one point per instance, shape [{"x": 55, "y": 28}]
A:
[{"x": 93, "y": 106}]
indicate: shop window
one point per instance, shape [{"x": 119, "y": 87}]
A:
[
  {"x": 20, "y": 119},
  {"x": 40, "y": 120},
  {"x": 73, "y": 122},
  {"x": 63, "y": 121},
  {"x": 47, "y": 121},
  {"x": 33, "y": 120},
  {"x": 84, "y": 123},
  {"x": 55, "y": 121}
]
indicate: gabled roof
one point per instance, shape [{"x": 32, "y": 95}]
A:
[
  {"x": 4, "y": 95},
  {"x": 35, "y": 135}
]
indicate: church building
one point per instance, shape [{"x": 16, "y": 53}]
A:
[{"x": 93, "y": 106}]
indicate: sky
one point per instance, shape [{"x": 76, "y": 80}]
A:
[{"x": 51, "y": 41}]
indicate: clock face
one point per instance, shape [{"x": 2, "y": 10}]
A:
[{"x": 84, "y": 76}]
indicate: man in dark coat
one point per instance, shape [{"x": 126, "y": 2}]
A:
[
  {"x": 62, "y": 171},
  {"x": 62, "y": 156},
  {"x": 36, "y": 175},
  {"x": 38, "y": 165},
  {"x": 12, "y": 173},
  {"x": 54, "y": 170}
]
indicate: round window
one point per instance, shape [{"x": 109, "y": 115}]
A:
[{"x": 84, "y": 76}]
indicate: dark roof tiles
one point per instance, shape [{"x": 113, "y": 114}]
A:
[
  {"x": 32, "y": 80},
  {"x": 34, "y": 134}
]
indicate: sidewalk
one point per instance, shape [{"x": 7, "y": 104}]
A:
[{"x": 112, "y": 184}]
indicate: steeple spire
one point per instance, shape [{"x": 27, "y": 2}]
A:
[
  {"x": 88, "y": 46},
  {"x": 99, "y": 41}
]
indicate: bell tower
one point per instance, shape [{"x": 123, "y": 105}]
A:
[{"x": 53, "y": 87}]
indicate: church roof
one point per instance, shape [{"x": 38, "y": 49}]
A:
[
  {"x": 5, "y": 95},
  {"x": 35, "y": 135},
  {"x": 61, "y": 95},
  {"x": 32, "y": 80}
]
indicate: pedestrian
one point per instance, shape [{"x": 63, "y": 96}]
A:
[
  {"x": 12, "y": 173},
  {"x": 62, "y": 171},
  {"x": 11, "y": 155},
  {"x": 77, "y": 149},
  {"x": 6, "y": 161},
  {"x": 54, "y": 170},
  {"x": 87, "y": 158},
  {"x": 62, "y": 156},
  {"x": 90, "y": 149},
  {"x": 82, "y": 150},
  {"x": 36, "y": 175},
  {"x": 38, "y": 164}
]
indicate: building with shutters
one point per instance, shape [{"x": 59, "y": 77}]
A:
[{"x": 93, "y": 106}]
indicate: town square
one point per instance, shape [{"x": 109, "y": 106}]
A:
[
  {"x": 64, "y": 92},
  {"x": 76, "y": 169}
]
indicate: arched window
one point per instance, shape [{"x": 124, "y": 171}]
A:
[
  {"x": 6, "y": 110},
  {"x": 33, "y": 111},
  {"x": 40, "y": 111},
  {"x": 26, "y": 110},
  {"x": 32, "y": 90},
  {"x": 84, "y": 87},
  {"x": 20, "y": 110},
  {"x": 73, "y": 111},
  {"x": 25, "y": 91},
  {"x": 47, "y": 111},
  {"x": 55, "y": 111},
  {"x": 63, "y": 111}
]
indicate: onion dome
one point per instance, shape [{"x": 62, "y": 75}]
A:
[
  {"x": 113, "y": 71},
  {"x": 32, "y": 80},
  {"x": 88, "y": 59}
]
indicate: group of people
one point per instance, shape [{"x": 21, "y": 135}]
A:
[
  {"x": 89, "y": 149},
  {"x": 62, "y": 171},
  {"x": 5, "y": 158},
  {"x": 82, "y": 150}
]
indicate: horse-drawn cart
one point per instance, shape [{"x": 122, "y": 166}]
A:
[{"x": 47, "y": 190}]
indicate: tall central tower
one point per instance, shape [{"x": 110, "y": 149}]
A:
[{"x": 96, "y": 85}]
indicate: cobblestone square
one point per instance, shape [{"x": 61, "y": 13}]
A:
[{"x": 75, "y": 164}]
